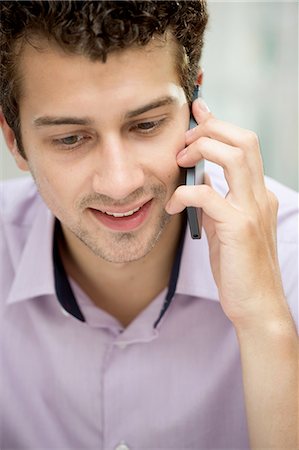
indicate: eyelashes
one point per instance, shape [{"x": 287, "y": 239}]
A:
[
  {"x": 76, "y": 140},
  {"x": 149, "y": 126},
  {"x": 72, "y": 140}
]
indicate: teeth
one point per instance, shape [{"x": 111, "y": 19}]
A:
[{"x": 129, "y": 213}]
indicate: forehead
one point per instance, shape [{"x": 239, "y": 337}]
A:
[
  {"x": 55, "y": 83},
  {"x": 48, "y": 68}
]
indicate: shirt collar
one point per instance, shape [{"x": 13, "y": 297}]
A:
[
  {"x": 34, "y": 273},
  {"x": 65, "y": 293},
  {"x": 196, "y": 278}
]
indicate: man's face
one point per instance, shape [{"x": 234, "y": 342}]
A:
[{"x": 101, "y": 140}]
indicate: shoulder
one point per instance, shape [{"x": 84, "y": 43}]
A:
[
  {"x": 26, "y": 231},
  {"x": 287, "y": 212},
  {"x": 18, "y": 201}
]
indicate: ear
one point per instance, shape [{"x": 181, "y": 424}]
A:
[
  {"x": 11, "y": 143},
  {"x": 199, "y": 79}
]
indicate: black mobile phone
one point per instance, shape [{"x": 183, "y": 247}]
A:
[{"x": 194, "y": 176}]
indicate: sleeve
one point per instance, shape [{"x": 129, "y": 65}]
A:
[{"x": 287, "y": 242}]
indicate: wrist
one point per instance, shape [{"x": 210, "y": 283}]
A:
[
  {"x": 269, "y": 334},
  {"x": 271, "y": 318}
]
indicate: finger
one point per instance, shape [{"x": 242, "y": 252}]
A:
[
  {"x": 233, "y": 161},
  {"x": 207, "y": 179},
  {"x": 210, "y": 126},
  {"x": 208, "y": 223},
  {"x": 203, "y": 196},
  {"x": 232, "y": 135},
  {"x": 210, "y": 229}
]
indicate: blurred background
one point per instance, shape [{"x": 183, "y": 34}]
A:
[
  {"x": 251, "y": 76},
  {"x": 250, "y": 63}
]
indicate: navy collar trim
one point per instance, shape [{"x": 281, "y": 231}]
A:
[
  {"x": 66, "y": 296},
  {"x": 174, "y": 272},
  {"x": 63, "y": 288}
]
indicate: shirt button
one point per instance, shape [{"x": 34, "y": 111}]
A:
[
  {"x": 122, "y": 446},
  {"x": 121, "y": 346}
]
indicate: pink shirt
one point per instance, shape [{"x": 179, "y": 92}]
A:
[{"x": 68, "y": 384}]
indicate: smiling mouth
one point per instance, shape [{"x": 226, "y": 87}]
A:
[
  {"x": 124, "y": 214},
  {"x": 124, "y": 221}
]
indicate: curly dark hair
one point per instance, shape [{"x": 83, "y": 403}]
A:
[{"x": 95, "y": 29}]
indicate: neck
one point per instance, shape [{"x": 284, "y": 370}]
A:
[{"x": 104, "y": 282}]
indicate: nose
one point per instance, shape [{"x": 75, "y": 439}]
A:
[{"x": 118, "y": 172}]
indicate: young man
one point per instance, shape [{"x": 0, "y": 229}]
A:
[{"x": 118, "y": 331}]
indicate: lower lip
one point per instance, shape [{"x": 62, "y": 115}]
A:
[{"x": 126, "y": 223}]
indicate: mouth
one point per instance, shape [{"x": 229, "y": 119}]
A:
[{"x": 123, "y": 220}]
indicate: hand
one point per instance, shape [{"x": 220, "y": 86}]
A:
[{"x": 241, "y": 228}]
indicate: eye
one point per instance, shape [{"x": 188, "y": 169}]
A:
[
  {"x": 70, "y": 142},
  {"x": 148, "y": 127}
]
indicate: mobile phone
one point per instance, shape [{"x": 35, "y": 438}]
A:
[{"x": 194, "y": 176}]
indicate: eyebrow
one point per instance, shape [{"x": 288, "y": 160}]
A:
[
  {"x": 169, "y": 100},
  {"x": 44, "y": 121},
  {"x": 66, "y": 120}
]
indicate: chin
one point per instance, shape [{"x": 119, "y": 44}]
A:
[{"x": 120, "y": 248}]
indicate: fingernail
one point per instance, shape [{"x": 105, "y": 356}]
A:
[
  {"x": 189, "y": 132},
  {"x": 182, "y": 153},
  {"x": 202, "y": 105},
  {"x": 168, "y": 207}
]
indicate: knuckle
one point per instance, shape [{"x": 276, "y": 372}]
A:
[
  {"x": 202, "y": 140},
  {"x": 179, "y": 192},
  {"x": 248, "y": 226},
  {"x": 194, "y": 146},
  {"x": 202, "y": 143},
  {"x": 210, "y": 124},
  {"x": 199, "y": 142},
  {"x": 252, "y": 138},
  {"x": 182, "y": 193},
  {"x": 205, "y": 190},
  {"x": 274, "y": 202},
  {"x": 196, "y": 149},
  {"x": 239, "y": 157}
]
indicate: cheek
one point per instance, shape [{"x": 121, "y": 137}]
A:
[
  {"x": 56, "y": 186},
  {"x": 167, "y": 170},
  {"x": 171, "y": 169},
  {"x": 54, "y": 180}
]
